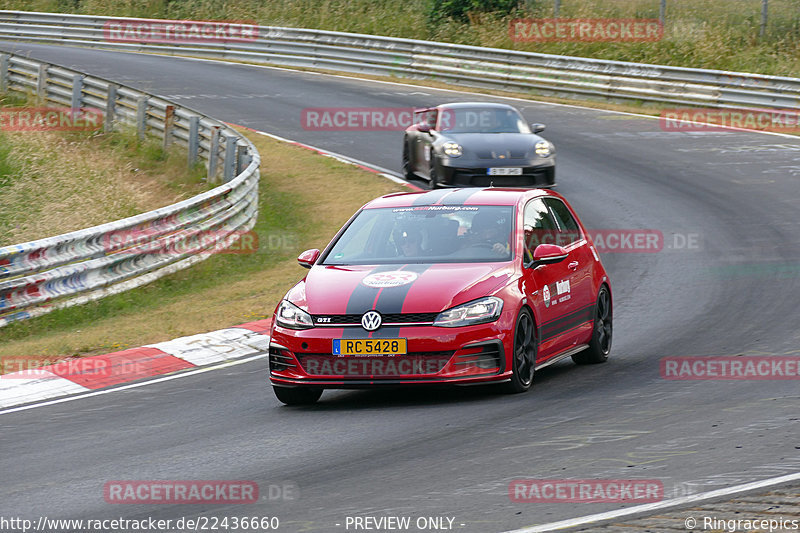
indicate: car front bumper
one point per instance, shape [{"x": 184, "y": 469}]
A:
[
  {"x": 453, "y": 175},
  {"x": 461, "y": 356}
]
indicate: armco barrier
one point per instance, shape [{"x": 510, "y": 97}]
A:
[
  {"x": 466, "y": 65},
  {"x": 38, "y": 276}
]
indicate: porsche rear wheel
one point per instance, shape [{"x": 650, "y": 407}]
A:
[
  {"x": 600, "y": 344},
  {"x": 297, "y": 396},
  {"x": 407, "y": 172},
  {"x": 524, "y": 361},
  {"x": 434, "y": 175}
]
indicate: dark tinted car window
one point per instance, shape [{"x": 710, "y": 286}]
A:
[
  {"x": 569, "y": 230},
  {"x": 540, "y": 227},
  {"x": 482, "y": 120}
]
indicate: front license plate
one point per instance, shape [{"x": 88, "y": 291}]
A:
[
  {"x": 369, "y": 346},
  {"x": 504, "y": 171}
]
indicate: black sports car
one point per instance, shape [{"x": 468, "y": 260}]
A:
[{"x": 476, "y": 144}]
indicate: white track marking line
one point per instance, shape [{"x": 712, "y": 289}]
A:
[
  {"x": 683, "y": 500},
  {"x": 391, "y": 174},
  {"x": 136, "y": 385}
]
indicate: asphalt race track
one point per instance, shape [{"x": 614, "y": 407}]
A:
[{"x": 452, "y": 453}]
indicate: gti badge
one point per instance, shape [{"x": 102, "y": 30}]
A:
[{"x": 371, "y": 320}]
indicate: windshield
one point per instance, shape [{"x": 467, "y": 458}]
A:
[
  {"x": 482, "y": 120},
  {"x": 426, "y": 234}
]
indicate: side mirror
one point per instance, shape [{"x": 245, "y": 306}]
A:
[
  {"x": 424, "y": 127},
  {"x": 547, "y": 254},
  {"x": 308, "y": 258},
  {"x": 536, "y": 127}
]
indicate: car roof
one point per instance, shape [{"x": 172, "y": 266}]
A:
[
  {"x": 488, "y": 105},
  {"x": 462, "y": 196}
]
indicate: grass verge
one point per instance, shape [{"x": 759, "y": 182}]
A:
[
  {"x": 304, "y": 199},
  {"x": 55, "y": 182}
]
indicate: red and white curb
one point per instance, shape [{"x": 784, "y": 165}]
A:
[{"x": 87, "y": 374}]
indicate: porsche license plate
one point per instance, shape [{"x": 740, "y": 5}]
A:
[
  {"x": 504, "y": 171},
  {"x": 369, "y": 346}
]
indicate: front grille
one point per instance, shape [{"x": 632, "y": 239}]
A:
[
  {"x": 530, "y": 177},
  {"x": 389, "y": 318}
]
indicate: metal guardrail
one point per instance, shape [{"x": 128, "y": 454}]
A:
[
  {"x": 39, "y": 276},
  {"x": 490, "y": 68}
]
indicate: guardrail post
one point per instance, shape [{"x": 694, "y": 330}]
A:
[
  {"x": 77, "y": 92},
  {"x": 662, "y": 12},
  {"x": 213, "y": 155},
  {"x": 230, "y": 157},
  {"x": 141, "y": 116},
  {"x": 194, "y": 140},
  {"x": 764, "y": 8},
  {"x": 556, "y": 8},
  {"x": 111, "y": 107},
  {"x": 41, "y": 84},
  {"x": 4, "y": 60},
  {"x": 169, "y": 120},
  {"x": 243, "y": 158}
]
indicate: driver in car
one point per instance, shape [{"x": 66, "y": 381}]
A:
[
  {"x": 489, "y": 230},
  {"x": 409, "y": 241}
]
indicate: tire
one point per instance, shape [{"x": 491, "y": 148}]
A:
[
  {"x": 434, "y": 175},
  {"x": 524, "y": 360},
  {"x": 297, "y": 395},
  {"x": 407, "y": 172},
  {"x": 602, "y": 331}
]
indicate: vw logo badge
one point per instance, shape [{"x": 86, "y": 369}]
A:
[{"x": 371, "y": 320}]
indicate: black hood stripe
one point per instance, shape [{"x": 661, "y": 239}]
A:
[
  {"x": 430, "y": 197},
  {"x": 392, "y": 298},
  {"x": 362, "y": 297},
  {"x": 460, "y": 196},
  {"x": 389, "y": 300}
]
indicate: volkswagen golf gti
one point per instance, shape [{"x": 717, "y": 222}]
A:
[{"x": 445, "y": 287}]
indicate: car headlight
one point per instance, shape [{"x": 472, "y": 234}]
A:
[
  {"x": 476, "y": 312},
  {"x": 543, "y": 148},
  {"x": 452, "y": 149},
  {"x": 291, "y": 316}
]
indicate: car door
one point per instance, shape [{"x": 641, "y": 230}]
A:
[
  {"x": 577, "y": 295},
  {"x": 541, "y": 284}
]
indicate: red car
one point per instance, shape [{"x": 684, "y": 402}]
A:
[{"x": 451, "y": 286}]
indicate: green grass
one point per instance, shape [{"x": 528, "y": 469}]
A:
[
  {"x": 47, "y": 176},
  {"x": 717, "y": 34}
]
